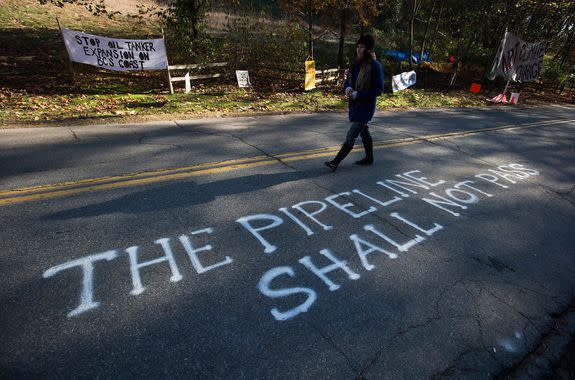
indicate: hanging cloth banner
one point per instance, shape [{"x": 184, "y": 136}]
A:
[
  {"x": 518, "y": 60},
  {"x": 115, "y": 53},
  {"x": 404, "y": 80},
  {"x": 309, "y": 75}
]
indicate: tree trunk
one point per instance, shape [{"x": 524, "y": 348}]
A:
[
  {"x": 310, "y": 28},
  {"x": 551, "y": 32},
  {"x": 411, "y": 34},
  {"x": 568, "y": 48},
  {"x": 426, "y": 31},
  {"x": 342, "y": 32},
  {"x": 510, "y": 12},
  {"x": 436, "y": 27},
  {"x": 196, "y": 10}
]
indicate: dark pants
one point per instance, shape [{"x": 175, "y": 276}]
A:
[{"x": 357, "y": 128}]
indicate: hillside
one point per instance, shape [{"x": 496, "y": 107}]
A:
[{"x": 32, "y": 53}]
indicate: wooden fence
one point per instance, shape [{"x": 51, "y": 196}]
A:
[
  {"x": 263, "y": 72},
  {"x": 196, "y": 67}
]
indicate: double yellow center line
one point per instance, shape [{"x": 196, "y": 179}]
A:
[{"x": 62, "y": 189}]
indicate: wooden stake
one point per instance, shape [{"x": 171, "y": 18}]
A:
[
  {"x": 168, "y": 65},
  {"x": 70, "y": 65},
  {"x": 506, "y": 87}
]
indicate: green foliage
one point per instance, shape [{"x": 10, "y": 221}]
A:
[
  {"x": 96, "y": 7},
  {"x": 186, "y": 35},
  {"x": 471, "y": 30},
  {"x": 252, "y": 42},
  {"x": 556, "y": 74},
  {"x": 184, "y": 47}
]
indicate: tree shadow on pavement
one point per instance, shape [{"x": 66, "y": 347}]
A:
[{"x": 182, "y": 194}]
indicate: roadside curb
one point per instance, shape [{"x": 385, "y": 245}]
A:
[{"x": 170, "y": 118}]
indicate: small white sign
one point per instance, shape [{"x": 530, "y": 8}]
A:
[
  {"x": 188, "y": 84},
  {"x": 404, "y": 80},
  {"x": 514, "y": 98},
  {"x": 243, "y": 78}
]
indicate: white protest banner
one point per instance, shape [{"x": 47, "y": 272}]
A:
[
  {"x": 243, "y": 78},
  {"x": 402, "y": 81},
  {"x": 518, "y": 60},
  {"x": 115, "y": 53}
]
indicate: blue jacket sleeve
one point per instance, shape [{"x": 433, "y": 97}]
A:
[
  {"x": 376, "y": 83},
  {"x": 347, "y": 82}
]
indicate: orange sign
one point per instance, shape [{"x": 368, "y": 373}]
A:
[{"x": 309, "y": 75}]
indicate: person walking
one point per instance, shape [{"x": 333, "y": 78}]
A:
[{"x": 363, "y": 84}]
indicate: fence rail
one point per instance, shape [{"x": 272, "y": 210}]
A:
[
  {"x": 196, "y": 66},
  {"x": 323, "y": 73},
  {"x": 261, "y": 71}
]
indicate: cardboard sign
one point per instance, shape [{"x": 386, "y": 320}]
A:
[
  {"x": 309, "y": 83},
  {"x": 243, "y": 78},
  {"x": 514, "y": 98},
  {"x": 115, "y": 53}
]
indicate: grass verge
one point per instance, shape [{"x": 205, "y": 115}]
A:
[{"x": 20, "y": 108}]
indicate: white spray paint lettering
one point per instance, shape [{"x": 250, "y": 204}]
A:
[
  {"x": 87, "y": 264},
  {"x": 135, "y": 266},
  {"x": 312, "y": 217}
]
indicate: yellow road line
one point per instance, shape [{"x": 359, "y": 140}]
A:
[
  {"x": 132, "y": 179},
  {"x": 132, "y": 182},
  {"x": 305, "y": 153},
  {"x": 93, "y": 181}
]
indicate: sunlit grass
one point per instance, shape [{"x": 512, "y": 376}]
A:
[{"x": 22, "y": 107}]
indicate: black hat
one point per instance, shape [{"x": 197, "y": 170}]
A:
[{"x": 366, "y": 41}]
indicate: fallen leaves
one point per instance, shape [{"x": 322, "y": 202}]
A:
[{"x": 21, "y": 106}]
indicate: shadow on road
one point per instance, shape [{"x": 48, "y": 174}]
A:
[{"x": 182, "y": 194}]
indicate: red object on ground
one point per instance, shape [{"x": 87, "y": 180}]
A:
[
  {"x": 475, "y": 88},
  {"x": 501, "y": 98}
]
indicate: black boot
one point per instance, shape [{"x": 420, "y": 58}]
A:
[
  {"x": 368, "y": 146},
  {"x": 343, "y": 152}
]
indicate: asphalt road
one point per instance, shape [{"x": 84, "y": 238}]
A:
[{"x": 225, "y": 249}]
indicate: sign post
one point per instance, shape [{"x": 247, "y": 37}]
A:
[
  {"x": 70, "y": 66},
  {"x": 187, "y": 83},
  {"x": 170, "y": 85}
]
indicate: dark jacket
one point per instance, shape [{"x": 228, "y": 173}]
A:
[{"x": 362, "y": 108}]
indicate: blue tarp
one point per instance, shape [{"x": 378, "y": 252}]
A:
[{"x": 401, "y": 56}]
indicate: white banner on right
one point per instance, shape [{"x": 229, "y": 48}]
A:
[
  {"x": 402, "y": 81},
  {"x": 518, "y": 60}
]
